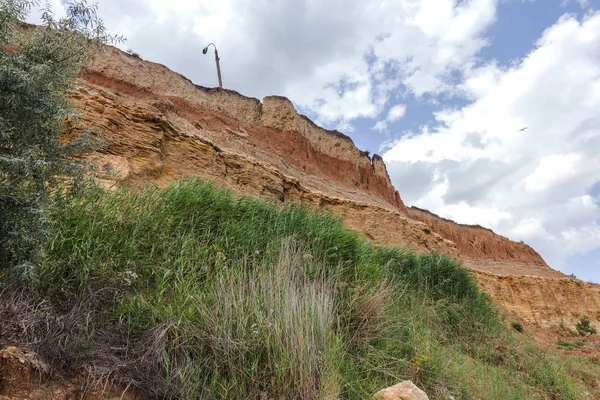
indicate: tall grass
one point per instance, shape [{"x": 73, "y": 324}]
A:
[{"x": 190, "y": 292}]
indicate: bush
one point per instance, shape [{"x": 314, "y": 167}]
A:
[
  {"x": 38, "y": 67},
  {"x": 584, "y": 327},
  {"x": 238, "y": 297},
  {"x": 517, "y": 326},
  {"x": 570, "y": 345},
  {"x": 133, "y": 53}
]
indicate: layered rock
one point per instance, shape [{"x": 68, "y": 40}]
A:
[
  {"x": 479, "y": 243},
  {"x": 301, "y": 143},
  {"x": 158, "y": 127},
  {"x": 152, "y": 143},
  {"x": 544, "y": 302}
]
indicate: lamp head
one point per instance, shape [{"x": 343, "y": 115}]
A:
[{"x": 204, "y": 50}]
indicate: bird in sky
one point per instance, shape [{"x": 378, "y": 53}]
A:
[{"x": 522, "y": 129}]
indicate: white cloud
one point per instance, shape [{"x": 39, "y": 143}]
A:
[
  {"x": 332, "y": 58},
  {"x": 532, "y": 184},
  {"x": 582, "y": 3},
  {"x": 553, "y": 170},
  {"x": 380, "y": 126},
  {"x": 56, "y": 7},
  {"x": 396, "y": 112}
]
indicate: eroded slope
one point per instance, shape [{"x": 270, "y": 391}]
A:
[{"x": 159, "y": 126}]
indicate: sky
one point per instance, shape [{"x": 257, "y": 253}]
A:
[{"x": 485, "y": 111}]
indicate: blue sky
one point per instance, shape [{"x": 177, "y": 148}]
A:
[
  {"x": 518, "y": 26},
  {"x": 462, "y": 78}
]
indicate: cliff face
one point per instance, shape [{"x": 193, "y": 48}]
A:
[
  {"x": 158, "y": 126},
  {"x": 476, "y": 242},
  {"x": 272, "y": 126},
  {"x": 544, "y": 302}
]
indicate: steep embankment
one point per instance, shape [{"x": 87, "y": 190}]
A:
[
  {"x": 478, "y": 243},
  {"x": 159, "y": 126},
  {"x": 544, "y": 302}
]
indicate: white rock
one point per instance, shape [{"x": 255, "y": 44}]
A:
[{"x": 403, "y": 391}]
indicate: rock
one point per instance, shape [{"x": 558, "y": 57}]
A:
[
  {"x": 239, "y": 132},
  {"x": 403, "y": 391},
  {"x": 22, "y": 374},
  {"x": 479, "y": 243}
]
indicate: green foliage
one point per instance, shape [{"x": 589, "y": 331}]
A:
[
  {"x": 517, "y": 326},
  {"x": 584, "y": 327},
  {"x": 191, "y": 292},
  {"x": 38, "y": 67},
  {"x": 562, "y": 326},
  {"x": 570, "y": 345},
  {"x": 133, "y": 53}
]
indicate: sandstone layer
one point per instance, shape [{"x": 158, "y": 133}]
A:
[{"x": 158, "y": 126}]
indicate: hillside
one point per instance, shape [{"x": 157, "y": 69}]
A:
[
  {"x": 159, "y": 127},
  {"x": 191, "y": 292},
  {"x": 228, "y": 248}
]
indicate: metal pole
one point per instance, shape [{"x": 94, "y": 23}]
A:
[{"x": 218, "y": 67}]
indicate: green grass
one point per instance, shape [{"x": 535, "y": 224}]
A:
[
  {"x": 192, "y": 292},
  {"x": 517, "y": 326},
  {"x": 570, "y": 345}
]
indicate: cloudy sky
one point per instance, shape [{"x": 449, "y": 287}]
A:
[{"x": 485, "y": 111}]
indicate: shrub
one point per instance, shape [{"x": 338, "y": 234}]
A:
[
  {"x": 240, "y": 298},
  {"x": 571, "y": 345},
  {"x": 517, "y": 326},
  {"x": 133, "y": 53},
  {"x": 38, "y": 67},
  {"x": 584, "y": 327}
]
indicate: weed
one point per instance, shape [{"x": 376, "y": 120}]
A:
[
  {"x": 571, "y": 345},
  {"x": 584, "y": 327}
]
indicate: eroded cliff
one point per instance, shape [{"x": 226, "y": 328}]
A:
[{"x": 158, "y": 127}]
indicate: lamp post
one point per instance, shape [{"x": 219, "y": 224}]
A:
[{"x": 216, "y": 61}]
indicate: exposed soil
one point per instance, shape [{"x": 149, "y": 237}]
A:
[{"x": 24, "y": 376}]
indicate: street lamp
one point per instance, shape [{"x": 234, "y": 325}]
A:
[{"x": 216, "y": 61}]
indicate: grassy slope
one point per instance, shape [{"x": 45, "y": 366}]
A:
[{"x": 192, "y": 292}]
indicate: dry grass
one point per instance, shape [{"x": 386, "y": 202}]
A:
[{"x": 370, "y": 305}]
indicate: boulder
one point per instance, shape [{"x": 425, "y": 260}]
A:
[{"x": 403, "y": 391}]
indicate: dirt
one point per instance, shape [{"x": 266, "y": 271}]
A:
[{"x": 24, "y": 376}]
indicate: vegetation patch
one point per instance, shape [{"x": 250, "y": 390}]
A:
[
  {"x": 192, "y": 292},
  {"x": 584, "y": 327},
  {"x": 517, "y": 326},
  {"x": 570, "y": 345}
]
